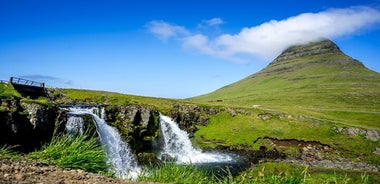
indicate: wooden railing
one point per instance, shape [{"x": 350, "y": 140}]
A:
[
  {"x": 29, "y": 88},
  {"x": 15, "y": 80}
]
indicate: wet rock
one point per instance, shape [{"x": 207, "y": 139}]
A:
[
  {"x": 148, "y": 159},
  {"x": 138, "y": 124},
  {"x": 167, "y": 158}
]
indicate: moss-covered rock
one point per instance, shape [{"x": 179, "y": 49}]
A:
[
  {"x": 139, "y": 125},
  {"x": 148, "y": 159}
]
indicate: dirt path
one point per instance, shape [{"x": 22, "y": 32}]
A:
[{"x": 23, "y": 171}]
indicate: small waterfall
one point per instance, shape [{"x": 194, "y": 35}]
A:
[
  {"x": 177, "y": 145},
  {"x": 74, "y": 125},
  {"x": 118, "y": 152}
]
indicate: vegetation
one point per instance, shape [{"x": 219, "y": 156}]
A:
[
  {"x": 329, "y": 86},
  {"x": 270, "y": 172},
  {"x": 171, "y": 172},
  {"x": 79, "y": 152},
  {"x": 7, "y": 152},
  {"x": 7, "y": 92},
  {"x": 273, "y": 172},
  {"x": 248, "y": 131},
  {"x": 301, "y": 99}
]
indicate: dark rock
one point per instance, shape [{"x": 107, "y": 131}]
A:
[
  {"x": 27, "y": 125},
  {"x": 148, "y": 159},
  {"x": 139, "y": 125},
  {"x": 167, "y": 158}
]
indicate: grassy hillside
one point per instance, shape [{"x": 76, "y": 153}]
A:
[
  {"x": 315, "y": 79},
  {"x": 295, "y": 105},
  {"x": 304, "y": 121}
]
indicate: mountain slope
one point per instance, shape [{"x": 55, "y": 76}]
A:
[{"x": 317, "y": 76}]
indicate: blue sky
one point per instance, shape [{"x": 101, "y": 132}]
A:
[{"x": 172, "y": 49}]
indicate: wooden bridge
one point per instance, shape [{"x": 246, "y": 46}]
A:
[{"x": 29, "y": 88}]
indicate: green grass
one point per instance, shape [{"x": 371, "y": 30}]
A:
[
  {"x": 80, "y": 152},
  {"x": 303, "y": 123},
  {"x": 247, "y": 131},
  {"x": 265, "y": 173},
  {"x": 274, "y": 172},
  {"x": 8, "y": 92},
  {"x": 173, "y": 173},
  {"x": 6, "y": 152},
  {"x": 303, "y": 97},
  {"x": 322, "y": 85},
  {"x": 69, "y": 96}
]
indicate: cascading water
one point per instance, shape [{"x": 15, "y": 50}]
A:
[
  {"x": 177, "y": 145},
  {"x": 74, "y": 125},
  {"x": 118, "y": 152}
]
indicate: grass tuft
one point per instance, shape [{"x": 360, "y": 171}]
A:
[
  {"x": 6, "y": 151},
  {"x": 170, "y": 172},
  {"x": 80, "y": 152}
]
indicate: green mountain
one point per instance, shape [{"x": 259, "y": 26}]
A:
[{"x": 317, "y": 78}]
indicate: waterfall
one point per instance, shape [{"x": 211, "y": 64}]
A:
[
  {"x": 119, "y": 155},
  {"x": 74, "y": 125},
  {"x": 177, "y": 145}
]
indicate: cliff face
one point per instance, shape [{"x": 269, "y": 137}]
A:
[
  {"x": 188, "y": 116},
  {"x": 28, "y": 125},
  {"x": 139, "y": 125}
]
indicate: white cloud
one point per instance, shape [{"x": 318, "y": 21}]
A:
[
  {"x": 271, "y": 38},
  {"x": 213, "y": 21},
  {"x": 202, "y": 44},
  {"x": 165, "y": 31}
]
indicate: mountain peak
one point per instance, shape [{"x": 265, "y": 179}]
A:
[
  {"x": 316, "y": 74},
  {"x": 312, "y": 48}
]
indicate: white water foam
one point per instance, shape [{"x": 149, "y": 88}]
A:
[
  {"x": 119, "y": 155},
  {"x": 178, "y": 146},
  {"x": 74, "y": 125}
]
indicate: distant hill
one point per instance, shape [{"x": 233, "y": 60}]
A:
[{"x": 316, "y": 75}]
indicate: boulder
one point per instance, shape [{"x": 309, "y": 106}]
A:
[{"x": 372, "y": 135}]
